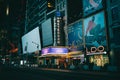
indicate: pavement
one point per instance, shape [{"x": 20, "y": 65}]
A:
[
  {"x": 64, "y": 74},
  {"x": 104, "y": 73}
]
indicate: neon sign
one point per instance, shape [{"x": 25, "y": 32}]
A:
[{"x": 95, "y": 49}]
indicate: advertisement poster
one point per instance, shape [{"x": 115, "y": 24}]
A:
[
  {"x": 94, "y": 31},
  {"x": 90, "y": 6},
  {"x": 75, "y": 34}
]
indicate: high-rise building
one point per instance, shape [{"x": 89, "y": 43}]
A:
[
  {"x": 36, "y": 12},
  {"x": 71, "y": 11},
  {"x": 113, "y": 17}
]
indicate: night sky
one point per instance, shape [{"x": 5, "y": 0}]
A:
[
  {"x": 16, "y": 11},
  {"x": 12, "y": 24}
]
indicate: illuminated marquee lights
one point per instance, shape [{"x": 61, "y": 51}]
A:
[
  {"x": 95, "y": 49},
  {"x": 58, "y": 30},
  {"x": 54, "y": 51}
]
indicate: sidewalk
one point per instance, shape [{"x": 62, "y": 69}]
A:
[{"x": 87, "y": 72}]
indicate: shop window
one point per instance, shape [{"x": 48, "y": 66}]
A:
[{"x": 99, "y": 60}]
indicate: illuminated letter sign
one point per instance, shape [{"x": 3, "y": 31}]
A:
[
  {"x": 100, "y": 48},
  {"x": 94, "y": 49}
]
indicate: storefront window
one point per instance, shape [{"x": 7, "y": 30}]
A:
[{"x": 99, "y": 60}]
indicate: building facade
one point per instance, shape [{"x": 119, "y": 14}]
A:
[
  {"x": 113, "y": 18},
  {"x": 99, "y": 45}
]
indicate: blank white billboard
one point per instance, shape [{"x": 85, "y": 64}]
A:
[{"x": 31, "y": 41}]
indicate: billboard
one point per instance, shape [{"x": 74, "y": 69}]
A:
[
  {"x": 90, "y": 6},
  {"x": 31, "y": 41},
  {"x": 75, "y": 34},
  {"x": 47, "y": 37},
  {"x": 95, "y": 32}
]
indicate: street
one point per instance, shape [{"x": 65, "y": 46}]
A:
[{"x": 53, "y": 74}]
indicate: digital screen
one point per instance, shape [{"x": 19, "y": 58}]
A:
[
  {"x": 54, "y": 51},
  {"x": 47, "y": 37},
  {"x": 90, "y": 6},
  {"x": 75, "y": 34},
  {"x": 58, "y": 50},
  {"x": 31, "y": 41},
  {"x": 45, "y": 51},
  {"x": 94, "y": 31}
]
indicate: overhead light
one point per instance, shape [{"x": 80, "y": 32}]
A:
[{"x": 7, "y": 10}]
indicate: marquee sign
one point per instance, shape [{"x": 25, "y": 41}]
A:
[{"x": 95, "y": 49}]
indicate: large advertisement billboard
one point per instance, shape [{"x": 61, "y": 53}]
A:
[
  {"x": 90, "y": 6},
  {"x": 95, "y": 32},
  {"x": 75, "y": 34},
  {"x": 47, "y": 37},
  {"x": 31, "y": 41}
]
